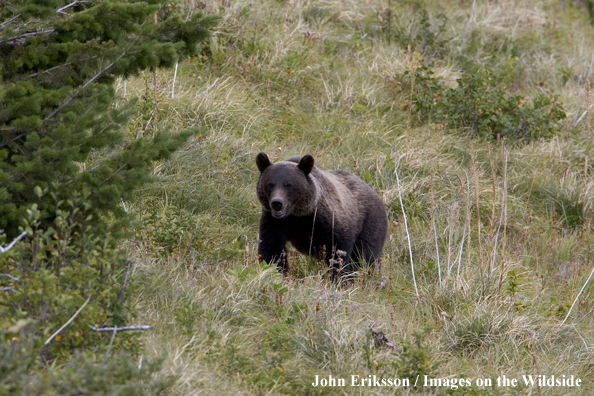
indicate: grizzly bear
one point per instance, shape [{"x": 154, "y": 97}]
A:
[{"x": 329, "y": 214}]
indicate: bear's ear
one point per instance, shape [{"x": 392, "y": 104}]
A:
[
  {"x": 306, "y": 164},
  {"x": 262, "y": 162}
]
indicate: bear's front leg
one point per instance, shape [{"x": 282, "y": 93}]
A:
[
  {"x": 340, "y": 263},
  {"x": 273, "y": 242}
]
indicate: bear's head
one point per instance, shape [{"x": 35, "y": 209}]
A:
[{"x": 287, "y": 188}]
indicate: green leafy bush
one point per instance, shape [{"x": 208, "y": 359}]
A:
[
  {"x": 87, "y": 374},
  {"x": 415, "y": 360},
  {"x": 176, "y": 232},
  {"x": 58, "y": 269},
  {"x": 481, "y": 106}
]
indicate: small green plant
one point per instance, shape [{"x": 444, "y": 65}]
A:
[
  {"x": 513, "y": 283},
  {"x": 186, "y": 314},
  {"x": 415, "y": 360},
  {"x": 176, "y": 232}
]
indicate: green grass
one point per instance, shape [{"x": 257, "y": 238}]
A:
[{"x": 328, "y": 78}]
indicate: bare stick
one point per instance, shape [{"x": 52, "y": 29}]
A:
[
  {"x": 434, "y": 228},
  {"x": 578, "y": 296},
  {"x": 585, "y": 316},
  {"x": 57, "y": 67},
  {"x": 467, "y": 215},
  {"x": 450, "y": 236},
  {"x": 61, "y": 10},
  {"x": 502, "y": 212},
  {"x": 412, "y": 266},
  {"x": 475, "y": 176},
  {"x": 504, "y": 156},
  {"x": 173, "y": 84},
  {"x": 492, "y": 219},
  {"x": 8, "y": 21},
  {"x": 14, "y": 278},
  {"x": 69, "y": 321},
  {"x": 459, "y": 257},
  {"x": 10, "y": 40},
  {"x": 585, "y": 181},
  {"x": 577, "y": 112},
  {"x": 113, "y": 334},
  {"x": 468, "y": 24},
  {"x": 7, "y": 248},
  {"x": 9, "y": 288},
  {"x": 124, "y": 283},
  {"x": 80, "y": 90},
  {"x": 118, "y": 329}
]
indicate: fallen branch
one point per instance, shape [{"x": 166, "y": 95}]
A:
[
  {"x": 14, "y": 278},
  {"x": 578, "y": 296},
  {"x": 502, "y": 214},
  {"x": 11, "y": 40},
  {"x": 6, "y": 249},
  {"x": 8, "y": 21},
  {"x": 434, "y": 228},
  {"x": 61, "y": 10},
  {"x": 116, "y": 329},
  {"x": 69, "y": 321}
]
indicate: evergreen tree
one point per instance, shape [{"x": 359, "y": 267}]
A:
[{"x": 58, "y": 63}]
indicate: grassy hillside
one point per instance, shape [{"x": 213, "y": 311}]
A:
[{"x": 362, "y": 86}]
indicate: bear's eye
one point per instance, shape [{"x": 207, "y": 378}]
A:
[
  {"x": 289, "y": 185},
  {"x": 270, "y": 185}
]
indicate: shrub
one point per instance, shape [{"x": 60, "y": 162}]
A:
[
  {"x": 58, "y": 268},
  {"x": 482, "y": 106},
  {"x": 121, "y": 374}
]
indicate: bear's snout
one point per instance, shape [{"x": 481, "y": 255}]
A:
[
  {"x": 277, "y": 204},
  {"x": 278, "y": 207}
]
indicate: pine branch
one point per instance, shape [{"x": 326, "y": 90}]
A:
[
  {"x": 61, "y": 10},
  {"x": 13, "y": 40},
  {"x": 6, "y": 143},
  {"x": 57, "y": 67},
  {"x": 92, "y": 80},
  {"x": 8, "y": 21}
]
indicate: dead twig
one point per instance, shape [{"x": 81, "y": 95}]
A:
[
  {"x": 69, "y": 321},
  {"x": 118, "y": 329},
  {"x": 405, "y": 224},
  {"x": 6, "y": 249}
]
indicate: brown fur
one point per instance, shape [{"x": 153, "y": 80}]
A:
[{"x": 318, "y": 211}]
